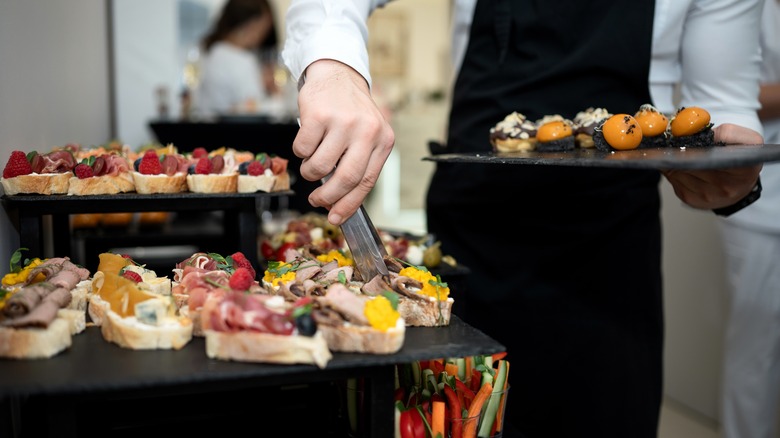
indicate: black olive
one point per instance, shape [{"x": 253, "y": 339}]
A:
[{"x": 306, "y": 325}]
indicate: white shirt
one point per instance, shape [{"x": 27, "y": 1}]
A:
[
  {"x": 336, "y": 29},
  {"x": 764, "y": 214},
  {"x": 701, "y": 44},
  {"x": 229, "y": 78}
]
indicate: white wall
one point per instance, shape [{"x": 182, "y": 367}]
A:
[{"x": 53, "y": 82}]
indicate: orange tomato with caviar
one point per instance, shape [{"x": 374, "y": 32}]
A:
[
  {"x": 652, "y": 122},
  {"x": 689, "y": 120},
  {"x": 552, "y": 131},
  {"x": 622, "y": 132}
]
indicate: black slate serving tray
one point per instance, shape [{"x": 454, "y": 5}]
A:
[
  {"x": 93, "y": 364},
  {"x": 715, "y": 157}
]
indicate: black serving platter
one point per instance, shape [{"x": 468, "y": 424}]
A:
[
  {"x": 93, "y": 364},
  {"x": 715, "y": 157}
]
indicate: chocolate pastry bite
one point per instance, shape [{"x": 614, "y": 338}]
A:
[
  {"x": 654, "y": 126},
  {"x": 514, "y": 133},
  {"x": 690, "y": 127},
  {"x": 585, "y": 123}
]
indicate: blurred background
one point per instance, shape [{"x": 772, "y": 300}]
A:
[{"x": 89, "y": 71}]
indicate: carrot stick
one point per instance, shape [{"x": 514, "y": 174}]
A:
[
  {"x": 498, "y": 356},
  {"x": 437, "y": 417},
  {"x": 451, "y": 369},
  {"x": 470, "y": 430}
]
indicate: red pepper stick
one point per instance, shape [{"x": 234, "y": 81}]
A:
[{"x": 456, "y": 412}]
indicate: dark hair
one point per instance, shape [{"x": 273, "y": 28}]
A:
[{"x": 234, "y": 14}]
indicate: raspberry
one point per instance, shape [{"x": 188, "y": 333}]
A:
[
  {"x": 240, "y": 261},
  {"x": 83, "y": 171},
  {"x": 150, "y": 163},
  {"x": 241, "y": 279},
  {"x": 203, "y": 167},
  {"x": 17, "y": 165},
  {"x": 132, "y": 275},
  {"x": 199, "y": 153},
  {"x": 255, "y": 168}
]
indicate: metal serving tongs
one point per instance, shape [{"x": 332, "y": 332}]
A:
[{"x": 368, "y": 250}]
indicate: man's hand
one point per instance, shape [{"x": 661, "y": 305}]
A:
[
  {"x": 717, "y": 188},
  {"x": 341, "y": 128}
]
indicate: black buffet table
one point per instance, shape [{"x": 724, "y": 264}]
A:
[{"x": 92, "y": 367}]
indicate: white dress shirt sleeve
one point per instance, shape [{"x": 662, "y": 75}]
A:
[
  {"x": 711, "y": 48},
  {"x": 328, "y": 29}
]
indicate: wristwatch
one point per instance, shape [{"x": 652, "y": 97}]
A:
[{"x": 742, "y": 203}]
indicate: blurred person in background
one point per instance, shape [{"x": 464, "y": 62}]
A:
[
  {"x": 232, "y": 79},
  {"x": 750, "y": 390}
]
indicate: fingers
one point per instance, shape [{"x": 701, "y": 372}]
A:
[
  {"x": 710, "y": 189},
  {"x": 342, "y": 134},
  {"x": 734, "y": 134}
]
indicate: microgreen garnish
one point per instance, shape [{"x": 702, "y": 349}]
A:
[
  {"x": 302, "y": 310},
  {"x": 437, "y": 283},
  {"x": 16, "y": 258},
  {"x": 392, "y": 297}
]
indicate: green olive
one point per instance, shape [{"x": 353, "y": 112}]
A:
[{"x": 432, "y": 255}]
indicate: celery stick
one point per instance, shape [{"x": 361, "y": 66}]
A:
[
  {"x": 489, "y": 417},
  {"x": 416, "y": 373}
]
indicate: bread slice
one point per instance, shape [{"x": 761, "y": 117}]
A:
[
  {"x": 79, "y": 295},
  {"x": 248, "y": 346},
  {"x": 101, "y": 185},
  {"x": 425, "y": 313},
  {"x": 35, "y": 343},
  {"x": 37, "y": 184},
  {"x": 97, "y": 308},
  {"x": 263, "y": 183},
  {"x": 349, "y": 338},
  {"x": 148, "y": 184},
  {"x": 169, "y": 333},
  {"x": 77, "y": 319},
  {"x": 213, "y": 183}
]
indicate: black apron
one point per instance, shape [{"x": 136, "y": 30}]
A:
[{"x": 571, "y": 284}]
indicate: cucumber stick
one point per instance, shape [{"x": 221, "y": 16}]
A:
[{"x": 494, "y": 402}]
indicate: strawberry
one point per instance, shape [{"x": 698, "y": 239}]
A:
[
  {"x": 17, "y": 165},
  {"x": 83, "y": 170},
  {"x": 203, "y": 167},
  {"x": 150, "y": 163},
  {"x": 241, "y": 279},
  {"x": 240, "y": 261},
  {"x": 132, "y": 275},
  {"x": 255, "y": 168},
  {"x": 199, "y": 153}
]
